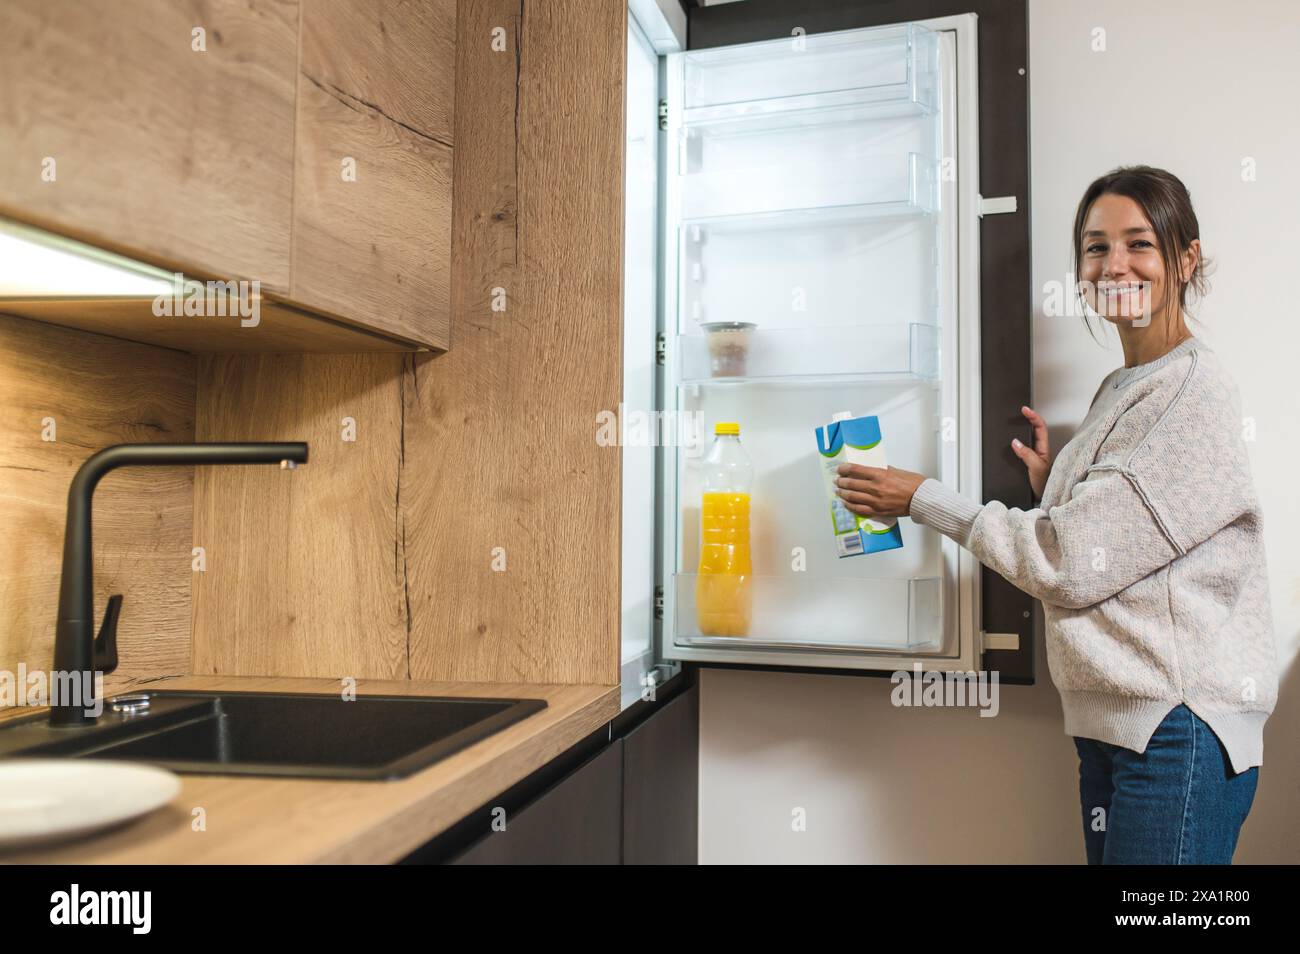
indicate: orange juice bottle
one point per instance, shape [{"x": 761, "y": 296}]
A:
[{"x": 723, "y": 601}]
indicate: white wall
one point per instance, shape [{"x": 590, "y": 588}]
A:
[{"x": 1193, "y": 86}]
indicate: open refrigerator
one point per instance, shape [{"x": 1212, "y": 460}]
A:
[{"x": 822, "y": 188}]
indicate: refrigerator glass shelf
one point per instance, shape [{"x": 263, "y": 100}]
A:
[
  {"x": 799, "y": 612},
  {"x": 900, "y": 379},
  {"x": 827, "y": 215},
  {"x": 825, "y": 355},
  {"x": 801, "y": 112},
  {"x": 886, "y": 64},
  {"x": 780, "y": 196}
]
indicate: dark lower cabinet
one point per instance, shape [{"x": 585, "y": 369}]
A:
[
  {"x": 661, "y": 784},
  {"x": 576, "y": 822},
  {"x": 627, "y": 794}
]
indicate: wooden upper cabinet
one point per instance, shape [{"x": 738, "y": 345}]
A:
[
  {"x": 303, "y": 144},
  {"x": 373, "y": 173},
  {"x": 118, "y": 131}
]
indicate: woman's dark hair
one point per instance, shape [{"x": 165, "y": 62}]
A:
[{"x": 1166, "y": 203}]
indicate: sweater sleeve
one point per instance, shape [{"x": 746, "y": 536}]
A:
[
  {"x": 1187, "y": 479},
  {"x": 1074, "y": 555}
]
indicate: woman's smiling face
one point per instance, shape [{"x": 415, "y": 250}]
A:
[{"x": 1121, "y": 268}]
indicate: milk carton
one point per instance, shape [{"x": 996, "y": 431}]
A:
[{"x": 854, "y": 440}]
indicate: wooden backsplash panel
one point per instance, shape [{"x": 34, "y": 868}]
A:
[
  {"x": 305, "y": 572},
  {"x": 380, "y": 558},
  {"x": 98, "y": 391}
]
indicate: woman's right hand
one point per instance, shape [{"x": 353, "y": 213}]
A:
[{"x": 1037, "y": 458}]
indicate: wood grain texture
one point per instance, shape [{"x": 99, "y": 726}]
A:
[
  {"x": 305, "y": 571},
  {"x": 400, "y": 59},
  {"x": 375, "y": 88},
  {"x": 385, "y": 565},
  {"x": 540, "y": 216},
  {"x": 303, "y": 821},
  {"x": 178, "y": 157},
  {"x": 98, "y": 391}
]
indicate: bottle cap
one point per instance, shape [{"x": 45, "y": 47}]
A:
[
  {"x": 841, "y": 416},
  {"x": 727, "y": 427}
]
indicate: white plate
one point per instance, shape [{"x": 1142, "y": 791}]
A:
[{"x": 48, "y": 799}]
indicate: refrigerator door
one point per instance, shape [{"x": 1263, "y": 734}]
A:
[
  {"x": 640, "y": 663},
  {"x": 822, "y": 189}
]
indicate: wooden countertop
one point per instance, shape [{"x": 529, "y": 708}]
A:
[{"x": 253, "y": 820}]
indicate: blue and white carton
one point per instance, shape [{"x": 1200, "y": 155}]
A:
[{"x": 854, "y": 440}]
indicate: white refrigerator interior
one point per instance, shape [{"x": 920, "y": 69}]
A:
[{"x": 822, "y": 189}]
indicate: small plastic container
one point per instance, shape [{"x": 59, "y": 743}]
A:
[{"x": 728, "y": 347}]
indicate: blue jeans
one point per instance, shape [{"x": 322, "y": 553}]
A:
[{"x": 1177, "y": 803}]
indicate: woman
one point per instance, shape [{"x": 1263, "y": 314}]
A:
[{"x": 1146, "y": 550}]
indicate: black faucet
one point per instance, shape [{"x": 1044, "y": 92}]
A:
[{"x": 76, "y": 651}]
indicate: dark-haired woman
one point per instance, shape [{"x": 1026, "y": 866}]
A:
[{"x": 1146, "y": 549}]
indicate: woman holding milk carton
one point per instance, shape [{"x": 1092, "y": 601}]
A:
[{"x": 1146, "y": 549}]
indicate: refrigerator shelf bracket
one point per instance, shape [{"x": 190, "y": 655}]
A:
[
  {"x": 999, "y": 640},
  {"x": 997, "y": 205}
]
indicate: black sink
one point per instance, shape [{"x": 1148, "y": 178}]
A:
[{"x": 281, "y": 734}]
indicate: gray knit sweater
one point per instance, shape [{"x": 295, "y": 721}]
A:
[{"x": 1147, "y": 552}]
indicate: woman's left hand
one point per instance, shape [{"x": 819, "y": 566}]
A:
[{"x": 877, "y": 491}]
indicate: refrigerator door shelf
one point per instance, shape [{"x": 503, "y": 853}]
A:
[
  {"x": 906, "y": 354},
  {"x": 880, "y": 65},
  {"x": 801, "y": 612}
]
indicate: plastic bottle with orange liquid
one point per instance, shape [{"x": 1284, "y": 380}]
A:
[{"x": 723, "y": 597}]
